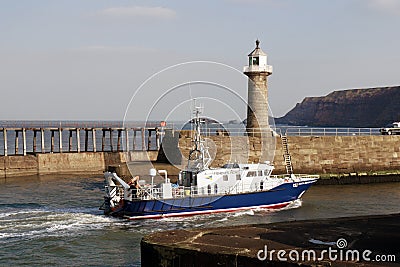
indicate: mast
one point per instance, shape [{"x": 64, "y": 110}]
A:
[{"x": 199, "y": 156}]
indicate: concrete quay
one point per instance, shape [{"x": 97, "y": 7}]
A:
[{"x": 280, "y": 244}]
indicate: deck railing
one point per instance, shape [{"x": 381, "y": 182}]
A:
[{"x": 148, "y": 193}]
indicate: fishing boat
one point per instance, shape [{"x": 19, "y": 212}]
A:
[{"x": 201, "y": 189}]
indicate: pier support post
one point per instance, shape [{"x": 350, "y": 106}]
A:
[
  {"x": 143, "y": 139},
  {"x": 86, "y": 139},
  {"x": 43, "y": 149},
  {"x": 149, "y": 140},
  {"x": 78, "y": 140},
  {"x": 60, "y": 147},
  {"x": 24, "y": 141},
  {"x": 94, "y": 139},
  {"x": 111, "y": 140},
  {"x": 52, "y": 141},
  {"x": 5, "y": 141},
  {"x": 103, "y": 140},
  {"x": 127, "y": 144},
  {"x": 134, "y": 140},
  {"x": 16, "y": 142},
  {"x": 119, "y": 140},
  {"x": 127, "y": 139},
  {"x": 158, "y": 137},
  {"x": 34, "y": 141},
  {"x": 70, "y": 141}
]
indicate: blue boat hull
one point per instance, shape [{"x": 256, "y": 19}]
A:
[{"x": 277, "y": 197}]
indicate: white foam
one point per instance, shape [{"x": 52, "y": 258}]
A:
[{"x": 38, "y": 223}]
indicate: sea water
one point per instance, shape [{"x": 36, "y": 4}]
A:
[{"x": 56, "y": 221}]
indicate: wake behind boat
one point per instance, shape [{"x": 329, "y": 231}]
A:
[{"x": 202, "y": 190}]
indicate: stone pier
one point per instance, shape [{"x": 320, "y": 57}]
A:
[{"x": 279, "y": 244}]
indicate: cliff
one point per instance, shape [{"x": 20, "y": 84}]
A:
[{"x": 372, "y": 107}]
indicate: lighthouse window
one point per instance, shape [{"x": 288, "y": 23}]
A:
[
  {"x": 225, "y": 177},
  {"x": 255, "y": 61},
  {"x": 238, "y": 177}
]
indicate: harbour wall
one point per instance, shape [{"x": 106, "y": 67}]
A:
[
  {"x": 344, "y": 154},
  {"x": 67, "y": 163},
  {"x": 327, "y": 155},
  {"x": 315, "y": 154}
]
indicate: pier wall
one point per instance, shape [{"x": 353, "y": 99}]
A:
[
  {"x": 315, "y": 154},
  {"x": 310, "y": 154},
  {"x": 344, "y": 154},
  {"x": 67, "y": 163}
]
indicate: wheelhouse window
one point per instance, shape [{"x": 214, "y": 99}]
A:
[
  {"x": 231, "y": 166},
  {"x": 251, "y": 174}
]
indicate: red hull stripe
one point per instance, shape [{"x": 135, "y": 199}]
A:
[{"x": 192, "y": 213}]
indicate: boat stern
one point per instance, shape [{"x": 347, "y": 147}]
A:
[{"x": 115, "y": 189}]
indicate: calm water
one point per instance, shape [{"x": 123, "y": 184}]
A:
[{"x": 55, "y": 221}]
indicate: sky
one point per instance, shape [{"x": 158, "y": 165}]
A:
[{"x": 102, "y": 59}]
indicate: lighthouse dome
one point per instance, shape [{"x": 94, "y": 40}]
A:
[
  {"x": 257, "y": 61},
  {"x": 257, "y": 51}
]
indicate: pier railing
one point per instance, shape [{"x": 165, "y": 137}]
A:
[
  {"x": 292, "y": 131},
  {"x": 22, "y": 141},
  {"x": 305, "y": 131}
]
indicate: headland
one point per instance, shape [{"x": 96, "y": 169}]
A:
[{"x": 368, "y": 107}]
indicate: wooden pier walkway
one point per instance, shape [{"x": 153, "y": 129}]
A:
[{"x": 22, "y": 141}]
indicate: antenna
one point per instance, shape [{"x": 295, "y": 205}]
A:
[{"x": 199, "y": 154}]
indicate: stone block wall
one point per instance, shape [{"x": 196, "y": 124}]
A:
[
  {"x": 344, "y": 154},
  {"x": 324, "y": 154},
  {"x": 314, "y": 155},
  {"x": 66, "y": 163}
]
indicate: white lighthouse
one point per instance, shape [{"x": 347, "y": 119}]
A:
[{"x": 257, "y": 103}]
